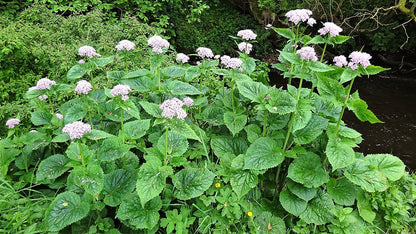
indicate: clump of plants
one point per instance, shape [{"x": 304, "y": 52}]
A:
[{"x": 210, "y": 147}]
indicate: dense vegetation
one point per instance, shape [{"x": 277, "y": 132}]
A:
[{"x": 123, "y": 138}]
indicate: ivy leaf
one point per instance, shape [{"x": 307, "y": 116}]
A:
[
  {"x": 151, "y": 180},
  {"x": 341, "y": 191},
  {"x": 339, "y": 153},
  {"x": 291, "y": 203},
  {"x": 264, "y": 153},
  {"x": 192, "y": 182},
  {"x": 307, "y": 170},
  {"x": 65, "y": 209},
  {"x": 136, "y": 129},
  {"x": 319, "y": 210},
  {"x": 390, "y": 166},
  {"x": 242, "y": 181},
  {"x": 133, "y": 214},
  {"x": 268, "y": 223},
  {"x": 255, "y": 91},
  {"x": 117, "y": 184},
  {"x": 52, "y": 167},
  {"x": 301, "y": 191},
  {"x": 176, "y": 144},
  {"x": 90, "y": 178},
  {"x": 234, "y": 122}
]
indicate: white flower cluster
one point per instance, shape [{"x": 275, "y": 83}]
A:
[
  {"x": 181, "y": 57},
  {"x": 232, "y": 63},
  {"x": 205, "y": 52},
  {"x": 330, "y": 28},
  {"x": 122, "y": 90},
  {"x": 246, "y": 47},
  {"x": 298, "y": 15},
  {"x": 43, "y": 97},
  {"x": 173, "y": 107},
  {"x": 88, "y": 51},
  {"x": 76, "y": 129},
  {"x": 12, "y": 122},
  {"x": 43, "y": 83},
  {"x": 307, "y": 53},
  {"x": 357, "y": 58},
  {"x": 340, "y": 61},
  {"x": 83, "y": 87},
  {"x": 125, "y": 44},
  {"x": 247, "y": 34},
  {"x": 157, "y": 43}
]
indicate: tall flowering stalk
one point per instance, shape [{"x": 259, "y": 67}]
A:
[
  {"x": 84, "y": 87},
  {"x": 76, "y": 131},
  {"x": 122, "y": 91}
]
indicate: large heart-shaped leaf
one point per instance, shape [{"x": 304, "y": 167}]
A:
[
  {"x": 192, "y": 182},
  {"x": 307, "y": 169},
  {"x": 116, "y": 185},
  {"x": 52, "y": 167},
  {"x": 264, "y": 153}
]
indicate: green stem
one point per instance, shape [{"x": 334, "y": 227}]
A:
[
  {"x": 265, "y": 123},
  {"x": 50, "y": 103},
  {"x": 81, "y": 154},
  {"x": 344, "y": 106},
  {"x": 323, "y": 52},
  {"x": 89, "y": 111},
  {"x": 122, "y": 125},
  {"x": 166, "y": 146},
  {"x": 92, "y": 80},
  {"x": 232, "y": 96}
]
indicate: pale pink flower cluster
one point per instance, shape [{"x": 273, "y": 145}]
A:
[
  {"x": 307, "y": 53},
  {"x": 88, "y": 51},
  {"x": 43, "y": 83},
  {"x": 157, "y": 43},
  {"x": 76, "y": 129},
  {"x": 83, "y": 87},
  {"x": 122, "y": 90},
  {"x": 330, "y": 28},
  {"x": 43, "y": 97},
  {"x": 247, "y": 34},
  {"x": 33, "y": 130},
  {"x": 12, "y": 122},
  {"x": 232, "y": 63},
  {"x": 125, "y": 44},
  {"x": 246, "y": 47},
  {"x": 298, "y": 15},
  {"x": 181, "y": 57},
  {"x": 204, "y": 52},
  {"x": 311, "y": 22},
  {"x": 357, "y": 58},
  {"x": 59, "y": 116},
  {"x": 340, "y": 61},
  {"x": 173, "y": 107},
  {"x": 81, "y": 61},
  {"x": 225, "y": 59}
]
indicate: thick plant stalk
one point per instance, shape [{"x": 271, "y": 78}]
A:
[{"x": 344, "y": 106}]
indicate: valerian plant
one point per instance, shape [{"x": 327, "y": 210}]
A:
[{"x": 210, "y": 148}]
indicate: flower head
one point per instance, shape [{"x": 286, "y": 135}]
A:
[
  {"x": 88, "y": 51},
  {"x": 33, "y": 130},
  {"x": 234, "y": 63},
  {"x": 205, "y": 52},
  {"x": 125, "y": 44},
  {"x": 76, "y": 129},
  {"x": 246, "y": 47},
  {"x": 247, "y": 34},
  {"x": 298, "y": 15},
  {"x": 59, "y": 116},
  {"x": 44, "y": 83},
  {"x": 122, "y": 90},
  {"x": 188, "y": 101},
  {"x": 330, "y": 28},
  {"x": 359, "y": 58},
  {"x": 225, "y": 59},
  {"x": 181, "y": 57},
  {"x": 12, "y": 122},
  {"x": 157, "y": 43},
  {"x": 340, "y": 61},
  {"x": 307, "y": 53},
  {"x": 217, "y": 185},
  {"x": 173, "y": 107},
  {"x": 83, "y": 87},
  {"x": 311, "y": 22},
  {"x": 43, "y": 97}
]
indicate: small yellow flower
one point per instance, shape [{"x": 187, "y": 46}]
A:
[
  {"x": 250, "y": 214},
  {"x": 217, "y": 185},
  {"x": 65, "y": 204}
]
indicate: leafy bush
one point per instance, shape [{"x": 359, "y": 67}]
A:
[{"x": 209, "y": 148}]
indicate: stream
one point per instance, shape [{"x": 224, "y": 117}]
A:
[{"x": 393, "y": 101}]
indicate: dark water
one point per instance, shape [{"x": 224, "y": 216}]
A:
[{"x": 393, "y": 101}]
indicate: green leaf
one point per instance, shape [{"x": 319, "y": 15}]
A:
[
  {"x": 291, "y": 203},
  {"x": 52, "y": 167},
  {"x": 255, "y": 91},
  {"x": 117, "y": 184},
  {"x": 136, "y": 129},
  {"x": 348, "y": 132},
  {"x": 390, "y": 166},
  {"x": 364, "y": 207},
  {"x": 151, "y": 180},
  {"x": 185, "y": 130},
  {"x": 366, "y": 176},
  {"x": 75, "y": 112},
  {"x": 65, "y": 209},
  {"x": 76, "y": 72},
  {"x": 138, "y": 73},
  {"x": 112, "y": 148},
  {"x": 268, "y": 223},
  {"x": 102, "y": 62},
  {"x": 253, "y": 132},
  {"x": 303, "y": 114},
  {"x": 63, "y": 137},
  {"x": 242, "y": 182},
  {"x": 192, "y": 182},
  {"x": 248, "y": 66},
  {"x": 359, "y": 107},
  {"x": 290, "y": 57},
  {"x": 223, "y": 145},
  {"x": 285, "y": 32},
  {"x": 372, "y": 70},
  {"x": 339, "y": 39},
  {"x": 234, "y": 122},
  {"x": 97, "y": 135},
  {"x": 341, "y": 191},
  {"x": 177, "y": 87},
  {"x": 40, "y": 117},
  {"x": 176, "y": 144},
  {"x": 316, "y": 40},
  {"x": 116, "y": 75},
  {"x": 320, "y": 67},
  {"x": 280, "y": 102},
  {"x": 173, "y": 71},
  {"x": 133, "y": 214},
  {"x": 311, "y": 131},
  {"x": 74, "y": 153},
  {"x": 339, "y": 154},
  {"x": 264, "y": 153},
  {"x": 151, "y": 108},
  {"x": 331, "y": 89},
  {"x": 348, "y": 74},
  {"x": 142, "y": 84},
  {"x": 90, "y": 178},
  {"x": 301, "y": 191},
  {"x": 307, "y": 170},
  {"x": 319, "y": 210}
]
